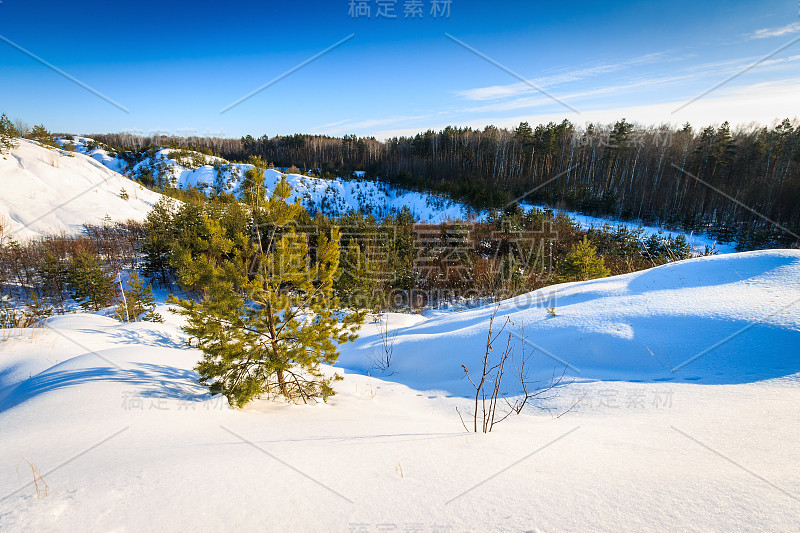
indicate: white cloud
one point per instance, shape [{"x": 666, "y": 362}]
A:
[
  {"x": 760, "y": 103},
  {"x": 776, "y": 32},
  {"x": 554, "y": 80},
  {"x": 356, "y": 126},
  {"x": 538, "y": 101},
  {"x": 691, "y": 78}
]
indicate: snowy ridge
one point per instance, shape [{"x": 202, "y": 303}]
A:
[
  {"x": 47, "y": 191},
  {"x": 332, "y": 197}
]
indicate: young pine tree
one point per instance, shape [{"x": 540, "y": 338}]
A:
[
  {"x": 582, "y": 263},
  {"x": 137, "y": 302},
  {"x": 354, "y": 280},
  {"x": 53, "y": 274},
  {"x": 160, "y": 233},
  {"x": 88, "y": 282},
  {"x": 7, "y": 135},
  {"x": 267, "y": 330},
  {"x": 40, "y": 134}
]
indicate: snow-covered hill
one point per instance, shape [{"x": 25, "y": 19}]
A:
[
  {"x": 687, "y": 382},
  {"x": 332, "y": 197},
  {"x": 185, "y": 169},
  {"x": 45, "y": 191}
]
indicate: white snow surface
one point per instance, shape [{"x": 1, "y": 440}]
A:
[
  {"x": 48, "y": 191},
  {"x": 680, "y": 413}
]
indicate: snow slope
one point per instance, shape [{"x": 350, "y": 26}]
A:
[
  {"x": 698, "y": 241},
  {"x": 332, "y": 197},
  {"x": 644, "y": 326},
  {"x": 45, "y": 191},
  {"x": 337, "y": 197},
  {"x": 127, "y": 441}
]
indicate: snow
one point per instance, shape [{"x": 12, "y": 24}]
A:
[
  {"x": 697, "y": 241},
  {"x": 46, "y": 191},
  {"x": 337, "y": 197},
  {"x": 126, "y": 439}
]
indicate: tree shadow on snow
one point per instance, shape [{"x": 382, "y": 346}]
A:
[{"x": 147, "y": 380}]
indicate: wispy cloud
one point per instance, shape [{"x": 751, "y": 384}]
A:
[
  {"x": 758, "y": 103},
  {"x": 776, "y": 32},
  {"x": 357, "y": 125},
  {"x": 618, "y": 89},
  {"x": 554, "y": 80},
  {"x": 686, "y": 77}
]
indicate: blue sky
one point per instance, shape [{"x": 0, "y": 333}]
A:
[{"x": 175, "y": 65}]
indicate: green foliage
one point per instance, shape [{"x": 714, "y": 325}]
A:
[
  {"x": 353, "y": 283},
  {"x": 582, "y": 263},
  {"x": 200, "y": 248},
  {"x": 267, "y": 319},
  {"x": 54, "y": 277},
  {"x": 8, "y": 133},
  {"x": 88, "y": 282},
  {"x": 40, "y": 134},
  {"x": 188, "y": 158},
  {"x": 157, "y": 246},
  {"x": 137, "y": 302},
  {"x": 146, "y": 178},
  {"x": 38, "y": 308},
  {"x": 253, "y": 188}
]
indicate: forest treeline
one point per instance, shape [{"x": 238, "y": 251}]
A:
[{"x": 741, "y": 184}]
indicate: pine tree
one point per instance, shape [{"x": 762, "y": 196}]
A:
[
  {"x": 53, "y": 274},
  {"x": 523, "y": 134},
  {"x": 582, "y": 263},
  {"x": 40, "y": 134},
  {"x": 159, "y": 231},
  {"x": 137, "y": 303},
  {"x": 353, "y": 282},
  {"x": 7, "y": 135},
  {"x": 724, "y": 148},
  {"x": 88, "y": 282},
  {"x": 252, "y": 187},
  {"x": 208, "y": 236},
  {"x": 267, "y": 331}
]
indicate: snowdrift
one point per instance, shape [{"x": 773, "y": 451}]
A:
[
  {"x": 126, "y": 439},
  {"x": 711, "y": 320},
  {"x": 47, "y": 191},
  {"x": 716, "y": 319}
]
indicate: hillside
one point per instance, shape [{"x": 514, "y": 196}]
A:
[
  {"x": 47, "y": 191},
  {"x": 332, "y": 197},
  {"x": 642, "y": 423},
  {"x": 187, "y": 169}
]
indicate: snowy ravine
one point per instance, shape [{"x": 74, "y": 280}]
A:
[
  {"x": 337, "y": 197},
  {"x": 681, "y": 414}
]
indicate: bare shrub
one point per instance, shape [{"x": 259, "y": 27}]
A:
[
  {"x": 488, "y": 392},
  {"x": 382, "y": 358}
]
